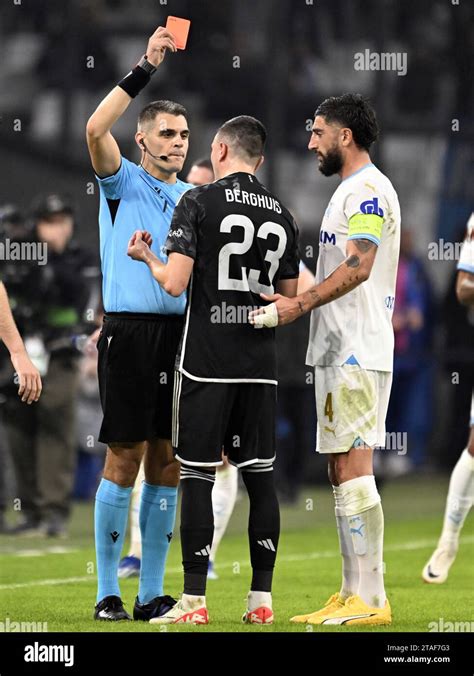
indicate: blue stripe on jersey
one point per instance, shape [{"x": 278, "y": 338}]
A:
[
  {"x": 366, "y": 166},
  {"x": 132, "y": 199},
  {"x": 365, "y": 235},
  {"x": 465, "y": 267}
]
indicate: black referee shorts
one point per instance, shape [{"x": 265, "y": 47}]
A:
[
  {"x": 136, "y": 370},
  {"x": 207, "y": 416}
]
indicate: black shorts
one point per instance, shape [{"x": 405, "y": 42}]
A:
[
  {"x": 136, "y": 370},
  {"x": 238, "y": 417}
]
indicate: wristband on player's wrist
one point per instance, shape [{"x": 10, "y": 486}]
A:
[{"x": 138, "y": 77}]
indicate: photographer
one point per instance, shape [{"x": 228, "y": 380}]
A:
[{"x": 50, "y": 302}]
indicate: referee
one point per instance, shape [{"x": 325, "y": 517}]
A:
[{"x": 140, "y": 335}]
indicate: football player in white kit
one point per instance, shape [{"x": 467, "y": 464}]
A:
[
  {"x": 461, "y": 485},
  {"x": 351, "y": 347}
]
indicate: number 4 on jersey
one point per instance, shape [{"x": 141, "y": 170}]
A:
[{"x": 328, "y": 410}]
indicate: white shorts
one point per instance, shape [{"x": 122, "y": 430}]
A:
[{"x": 351, "y": 405}]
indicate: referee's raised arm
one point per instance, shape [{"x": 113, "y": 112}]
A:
[{"x": 103, "y": 148}]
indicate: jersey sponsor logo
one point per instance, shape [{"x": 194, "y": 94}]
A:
[
  {"x": 176, "y": 233},
  {"x": 371, "y": 207},
  {"x": 389, "y": 302},
  {"x": 326, "y": 237}
]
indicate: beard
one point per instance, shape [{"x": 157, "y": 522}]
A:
[{"x": 332, "y": 163}]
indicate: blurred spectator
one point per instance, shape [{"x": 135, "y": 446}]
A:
[
  {"x": 411, "y": 400},
  {"x": 201, "y": 172},
  {"x": 48, "y": 305}
]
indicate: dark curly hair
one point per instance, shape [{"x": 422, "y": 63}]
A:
[{"x": 356, "y": 113}]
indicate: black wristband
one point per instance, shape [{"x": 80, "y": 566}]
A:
[{"x": 134, "y": 82}]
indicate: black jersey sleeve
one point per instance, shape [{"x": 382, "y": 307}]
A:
[
  {"x": 290, "y": 265},
  {"x": 182, "y": 235}
]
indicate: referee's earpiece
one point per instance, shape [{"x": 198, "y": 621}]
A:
[{"x": 142, "y": 143}]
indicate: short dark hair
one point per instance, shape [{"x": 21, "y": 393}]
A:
[
  {"x": 352, "y": 111},
  {"x": 203, "y": 162},
  {"x": 151, "y": 110},
  {"x": 246, "y": 135}
]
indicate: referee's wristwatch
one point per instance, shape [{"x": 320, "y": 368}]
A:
[{"x": 146, "y": 65}]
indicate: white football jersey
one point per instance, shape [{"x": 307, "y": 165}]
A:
[
  {"x": 357, "y": 328},
  {"x": 466, "y": 259}
]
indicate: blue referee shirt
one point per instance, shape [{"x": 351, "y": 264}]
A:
[{"x": 132, "y": 199}]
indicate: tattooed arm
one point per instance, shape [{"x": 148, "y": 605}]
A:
[{"x": 354, "y": 270}]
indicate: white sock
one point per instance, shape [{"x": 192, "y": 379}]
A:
[
  {"x": 350, "y": 564},
  {"x": 460, "y": 499},
  {"x": 224, "y": 494},
  {"x": 135, "y": 534},
  {"x": 365, "y": 516},
  {"x": 255, "y": 599},
  {"x": 191, "y": 601}
]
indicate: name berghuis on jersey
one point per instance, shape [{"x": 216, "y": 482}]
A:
[{"x": 252, "y": 199}]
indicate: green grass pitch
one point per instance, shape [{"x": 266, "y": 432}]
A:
[{"x": 45, "y": 580}]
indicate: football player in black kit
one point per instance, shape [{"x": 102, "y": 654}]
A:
[{"x": 229, "y": 241}]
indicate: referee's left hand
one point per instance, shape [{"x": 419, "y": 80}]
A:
[{"x": 139, "y": 245}]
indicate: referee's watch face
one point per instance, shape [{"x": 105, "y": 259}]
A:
[{"x": 168, "y": 141}]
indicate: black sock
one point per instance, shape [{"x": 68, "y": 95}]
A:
[
  {"x": 264, "y": 525},
  {"x": 197, "y": 526}
]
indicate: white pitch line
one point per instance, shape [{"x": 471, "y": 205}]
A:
[
  {"x": 47, "y": 583},
  {"x": 403, "y": 546},
  {"x": 26, "y": 553}
]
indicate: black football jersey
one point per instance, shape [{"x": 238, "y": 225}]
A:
[{"x": 243, "y": 240}]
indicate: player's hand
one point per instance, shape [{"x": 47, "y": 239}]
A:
[
  {"x": 282, "y": 310},
  {"x": 30, "y": 385},
  {"x": 90, "y": 348},
  {"x": 160, "y": 41},
  {"x": 138, "y": 248}
]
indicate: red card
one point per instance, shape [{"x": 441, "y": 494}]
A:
[{"x": 180, "y": 29}]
